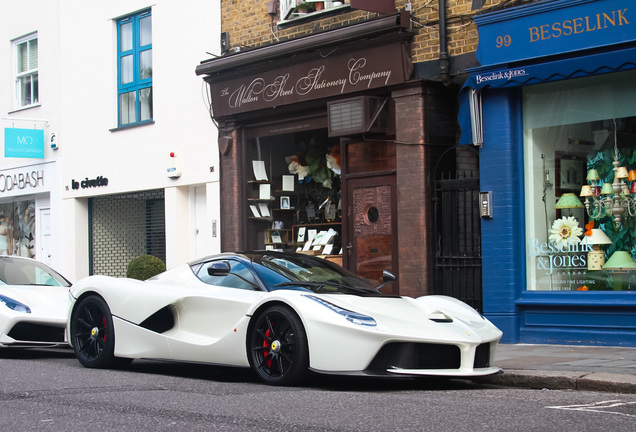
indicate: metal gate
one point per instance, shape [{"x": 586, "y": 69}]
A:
[
  {"x": 457, "y": 226},
  {"x": 123, "y": 227}
]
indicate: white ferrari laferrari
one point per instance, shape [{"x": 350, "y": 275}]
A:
[
  {"x": 281, "y": 314},
  {"x": 33, "y": 304}
]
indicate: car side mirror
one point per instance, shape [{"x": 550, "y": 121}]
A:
[
  {"x": 219, "y": 268},
  {"x": 387, "y": 278}
]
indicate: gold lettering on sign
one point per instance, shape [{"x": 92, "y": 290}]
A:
[{"x": 568, "y": 27}]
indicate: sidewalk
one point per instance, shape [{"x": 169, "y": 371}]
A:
[{"x": 591, "y": 368}]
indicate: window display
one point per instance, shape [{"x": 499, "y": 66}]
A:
[
  {"x": 17, "y": 228},
  {"x": 295, "y": 182},
  {"x": 580, "y": 184}
]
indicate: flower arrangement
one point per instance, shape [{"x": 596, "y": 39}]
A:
[{"x": 565, "y": 230}]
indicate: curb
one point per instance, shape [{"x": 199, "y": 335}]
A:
[{"x": 553, "y": 380}]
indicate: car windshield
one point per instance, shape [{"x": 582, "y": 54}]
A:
[
  {"x": 20, "y": 271},
  {"x": 306, "y": 273}
]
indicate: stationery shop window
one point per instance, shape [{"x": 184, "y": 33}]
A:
[
  {"x": 27, "y": 92},
  {"x": 134, "y": 69}
]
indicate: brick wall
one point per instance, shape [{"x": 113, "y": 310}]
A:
[{"x": 249, "y": 25}]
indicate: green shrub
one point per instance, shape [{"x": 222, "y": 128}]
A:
[{"x": 144, "y": 267}]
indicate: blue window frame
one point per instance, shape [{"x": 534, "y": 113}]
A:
[{"x": 134, "y": 69}]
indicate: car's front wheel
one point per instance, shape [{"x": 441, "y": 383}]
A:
[
  {"x": 92, "y": 333},
  {"x": 277, "y": 347}
]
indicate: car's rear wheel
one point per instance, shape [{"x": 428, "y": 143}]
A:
[
  {"x": 92, "y": 333},
  {"x": 277, "y": 347}
]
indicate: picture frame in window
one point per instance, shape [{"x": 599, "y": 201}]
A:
[
  {"x": 570, "y": 172},
  {"x": 284, "y": 203}
]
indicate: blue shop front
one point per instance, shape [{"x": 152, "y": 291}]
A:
[{"x": 552, "y": 109}]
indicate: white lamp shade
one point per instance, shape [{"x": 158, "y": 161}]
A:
[{"x": 598, "y": 237}]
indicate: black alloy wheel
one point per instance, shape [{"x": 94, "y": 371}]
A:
[
  {"x": 277, "y": 347},
  {"x": 92, "y": 333}
]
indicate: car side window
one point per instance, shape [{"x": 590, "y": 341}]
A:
[{"x": 239, "y": 277}]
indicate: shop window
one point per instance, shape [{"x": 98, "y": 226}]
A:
[
  {"x": 134, "y": 69},
  {"x": 580, "y": 184},
  {"x": 298, "y": 9},
  {"x": 293, "y": 194},
  {"x": 17, "y": 228},
  {"x": 27, "y": 91}
]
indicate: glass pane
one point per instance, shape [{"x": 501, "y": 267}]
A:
[
  {"x": 17, "y": 230},
  {"x": 25, "y": 91},
  {"x": 145, "y": 31},
  {"x": 35, "y": 88},
  {"x": 126, "y": 69},
  {"x": 572, "y": 137},
  {"x": 33, "y": 54},
  {"x": 145, "y": 102},
  {"x": 22, "y": 57},
  {"x": 127, "y": 108},
  {"x": 145, "y": 64},
  {"x": 125, "y": 36},
  {"x": 370, "y": 156}
]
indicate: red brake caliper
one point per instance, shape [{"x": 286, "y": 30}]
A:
[
  {"x": 266, "y": 352},
  {"x": 104, "y": 323}
]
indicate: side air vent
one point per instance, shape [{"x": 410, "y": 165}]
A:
[{"x": 160, "y": 321}]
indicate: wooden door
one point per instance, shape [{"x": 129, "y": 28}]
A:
[{"x": 371, "y": 228}]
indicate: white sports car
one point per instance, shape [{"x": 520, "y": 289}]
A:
[
  {"x": 33, "y": 304},
  {"x": 280, "y": 314}
]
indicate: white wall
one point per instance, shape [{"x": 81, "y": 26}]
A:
[
  {"x": 135, "y": 159},
  {"x": 78, "y": 94}
]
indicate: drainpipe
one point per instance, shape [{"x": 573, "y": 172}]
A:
[{"x": 444, "y": 59}]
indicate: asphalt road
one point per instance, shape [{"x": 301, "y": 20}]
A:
[{"x": 51, "y": 391}]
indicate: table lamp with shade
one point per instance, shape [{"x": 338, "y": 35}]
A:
[{"x": 596, "y": 257}]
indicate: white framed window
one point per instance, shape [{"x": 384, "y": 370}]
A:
[
  {"x": 293, "y": 9},
  {"x": 27, "y": 91}
]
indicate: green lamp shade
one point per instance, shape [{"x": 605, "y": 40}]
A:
[
  {"x": 607, "y": 189},
  {"x": 620, "y": 260},
  {"x": 592, "y": 175},
  {"x": 568, "y": 201}
]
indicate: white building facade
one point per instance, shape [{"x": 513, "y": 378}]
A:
[{"x": 108, "y": 151}]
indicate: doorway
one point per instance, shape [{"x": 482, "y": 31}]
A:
[
  {"x": 457, "y": 226},
  {"x": 372, "y": 228}
]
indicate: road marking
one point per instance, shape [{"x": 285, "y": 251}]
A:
[{"x": 602, "y": 407}]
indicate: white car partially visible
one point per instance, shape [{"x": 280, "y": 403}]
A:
[{"x": 33, "y": 304}]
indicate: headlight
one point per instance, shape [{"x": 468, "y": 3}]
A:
[
  {"x": 353, "y": 317},
  {"x": 14, "y": 304}
]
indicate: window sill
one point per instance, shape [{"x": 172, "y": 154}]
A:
[
  {"x": 132, "y": 126},
  {"x": 24, "y": 108},
  {"x": 312, "y": 16}
]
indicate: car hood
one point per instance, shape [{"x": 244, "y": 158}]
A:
[
  {"x": 410, "y": 316},
  {"x": 42, "y": 300}
]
